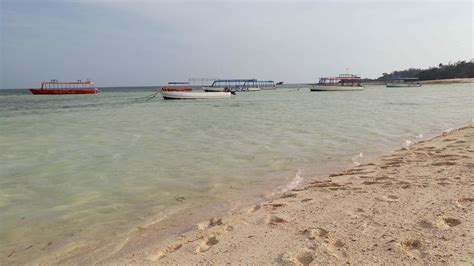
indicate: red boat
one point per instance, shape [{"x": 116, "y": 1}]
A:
[{"x": 58, "y": 87}]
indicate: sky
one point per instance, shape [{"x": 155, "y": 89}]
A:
[{"x": 146, "y": 43}]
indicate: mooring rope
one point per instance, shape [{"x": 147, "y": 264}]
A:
[{"x": 149, "y": 97}]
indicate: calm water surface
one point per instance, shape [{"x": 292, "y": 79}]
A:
[{"x": 77, "y": 168}]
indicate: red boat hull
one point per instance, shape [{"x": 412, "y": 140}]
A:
[{"x": 65, "y": 91}]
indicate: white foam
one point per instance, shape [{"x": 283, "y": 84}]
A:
[
  {"x": 295, "y": 182},
  {"x": 406, "y": 145},
  {"x": 356, "y": 158},
  {"x": 448, "y": 130}
]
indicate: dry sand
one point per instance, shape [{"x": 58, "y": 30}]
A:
[{"x": 413, "y": 206}]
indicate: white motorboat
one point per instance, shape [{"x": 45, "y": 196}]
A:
[
  {"x": 343, "y": 82},
  {"x": 183, "y": 95}
]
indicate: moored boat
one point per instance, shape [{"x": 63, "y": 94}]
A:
[
  {"x": 184, "y": 95},
  {"x": 402, "y": 83},
  {"x": 343, "y": 82},
  {"x": 59, "y": 87}
]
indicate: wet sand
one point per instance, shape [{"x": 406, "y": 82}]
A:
[{"x": 412, "y": 206}]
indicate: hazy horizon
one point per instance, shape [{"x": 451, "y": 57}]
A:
[{"x": 146, "y": 43}]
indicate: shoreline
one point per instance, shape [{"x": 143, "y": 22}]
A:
[
  {"x": 448, "y": 81},
  {"x": 207, "y": 241},
  {"x": 426, "y": 82}
]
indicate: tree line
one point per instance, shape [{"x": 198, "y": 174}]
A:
[{"x": 460, "y": 69}]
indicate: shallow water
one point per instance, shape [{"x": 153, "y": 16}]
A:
[{"x": 75, "y": 168}]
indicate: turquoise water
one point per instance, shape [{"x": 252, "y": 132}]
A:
[{"x": 77, "y": 168}]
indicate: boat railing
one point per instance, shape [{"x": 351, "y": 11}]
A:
[
  {"x": 55, "y": 84},
  {"x": 177, "y": 89},
  {"x": 242, "y": 84}
]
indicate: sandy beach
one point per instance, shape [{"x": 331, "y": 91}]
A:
[{"x": 412, "y": 206}]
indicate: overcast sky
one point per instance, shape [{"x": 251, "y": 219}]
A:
[{"x": 144, "y": 42}]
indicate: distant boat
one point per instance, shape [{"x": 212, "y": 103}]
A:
[
  {"x": 185, "y": 93},
  {"x": 402, "y": 82},
  {"x": 60, "y": 87},
  {"x": 343, "y": 82}
]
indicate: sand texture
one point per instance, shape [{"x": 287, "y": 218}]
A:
[{"x": 414, "y": 206}]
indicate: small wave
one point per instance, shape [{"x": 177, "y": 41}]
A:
[
  {"x": 356, "y": 159},
  {"x": 295, "y": 182},
  {"x": 449, "y": 130},
  {"x": 419, "y": 136},
  {"x": 406, "y": 144},
  {"x": 406, "y": 103}
]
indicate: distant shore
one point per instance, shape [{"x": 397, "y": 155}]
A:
[
  {"x": 436, "y": 81},
  {"x": 412, "y": 206},
  {"x": 447, "y": 81}
]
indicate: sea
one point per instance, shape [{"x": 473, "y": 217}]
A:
[{"x": 79, "y": 169}]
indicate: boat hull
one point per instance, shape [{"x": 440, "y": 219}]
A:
[
  {"x": 213, "y": 89},
  {"x": 179, "y": 95},
  {"x": 65, "y": 91},
  {"x": 335, "y": 88},
  {"x": 254, "y": 89}
]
